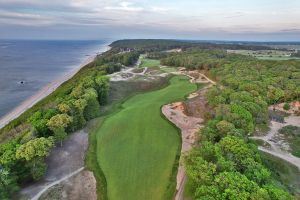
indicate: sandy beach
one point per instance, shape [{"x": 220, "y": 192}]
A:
[{"x": 45, "y": 91}]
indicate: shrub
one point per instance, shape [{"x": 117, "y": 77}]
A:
[{"x": 286, "y": 106}]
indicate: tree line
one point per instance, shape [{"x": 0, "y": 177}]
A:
[{"x": 156, "y": 45}]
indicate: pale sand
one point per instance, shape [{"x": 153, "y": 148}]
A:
[{"x": 45, "y": 91}]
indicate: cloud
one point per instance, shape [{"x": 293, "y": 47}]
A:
[
  {"x": 125, "y": 6},
  {"x": 235, "y": 15},
  {"x": 176, "y": 16},
  {"x": 291, "y": 30},
  {"x": 26, "y": 19},
  {"x": 160, "y": 9}
]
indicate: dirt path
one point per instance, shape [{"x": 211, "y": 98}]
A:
[
  {"x": 127, "y": 73},
  {"x": 196, "y": 76},
  {"x": 67, "y": 190},
  {"x": 284, "y": 156},
  {"x": 37, "y": 196},
  {"x": 278, "y": 147},
  {"x": 63, "y": 162}
]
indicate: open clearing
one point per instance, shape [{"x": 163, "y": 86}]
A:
[
  {"x": 137, "y": 147},
  {"x": 63, "y": 162},
  {"x": 146, "y": 62},
  {"x": 266, "y": 54}
]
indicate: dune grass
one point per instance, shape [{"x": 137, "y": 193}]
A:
[{"x": 137, "y": 147}]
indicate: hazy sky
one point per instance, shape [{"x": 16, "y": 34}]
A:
[{"x": 186, "y": 19}]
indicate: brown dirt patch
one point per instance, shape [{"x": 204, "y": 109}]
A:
[
  {"x": 81, "y": 186},
  {"x": 294, "y": 107},
  {"x": 196, "y": 105}
]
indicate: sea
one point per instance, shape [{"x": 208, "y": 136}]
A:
[{"x": 26, "y": 66}]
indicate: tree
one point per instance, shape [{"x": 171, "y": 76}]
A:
[
  {"x": 59, "y": 135},
  {"x": 244, "y": 119},
  {"x": 8, "y": 153},
  {"x": 102, "y": 88},
  {"x": 78, "y": 116},
  {"x": 37, "y": 168},
  {"x": 274, "y": 94},
  {"x": 92, "y": 108},
  {"x": 39, "y": 121},
  {"x": 225, "y": 127},
  {"x": 236, "y": 150},
  {"x": 64, "y": 108},
  {"x": 34, "y": 152},
  {"x": 200, "y": 171},
  {"x": 276, "y": 193},
  {"x": 77, "y": 91},
  {"x": 233, "y": 185},
  {"x": 36, "y": 148},
  {"x": 8, "y": 184},
  {"x": 57, "y": 124}
]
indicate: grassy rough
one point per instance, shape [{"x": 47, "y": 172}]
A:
[
  {"x": 292, "y": 135},
  {"x": 149, "y": 62},
  {"x": 137, "y": 147},
  {"x": 285, "y": 174}
]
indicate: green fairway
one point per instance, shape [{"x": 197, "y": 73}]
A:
[
  {"x": 149, "y": 62},
  {"x": 137, "y": 147}
]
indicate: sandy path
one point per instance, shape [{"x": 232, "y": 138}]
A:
[
  {"x": 37, "y": 196},
  {"x": 45, "y": 91},
  {"x": 126, "y": 73},
  {"x": 201, "y": 79},
  {"x": 63, "y": 162},
  {"x": 284, "y": 156},
  {"x": 278, "y": 147}
]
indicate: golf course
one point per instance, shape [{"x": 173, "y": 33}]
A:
[{"x": 137, "y": 146}]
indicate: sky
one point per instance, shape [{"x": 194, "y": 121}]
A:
[{"x": 255, "y": 20}]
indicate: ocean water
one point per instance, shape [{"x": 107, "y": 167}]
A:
[{"x": 27, "y": 66}]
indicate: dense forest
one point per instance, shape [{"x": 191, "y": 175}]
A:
[
  {"x": 225, "y": 165},
  {"x": 26, "y": 141},
  {"x": 150, "y": 45}
]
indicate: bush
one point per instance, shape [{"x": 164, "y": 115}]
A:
[{"x": 286, "y": 106}]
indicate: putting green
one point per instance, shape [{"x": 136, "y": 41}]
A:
[
  {"x": 146, "y": 62},
  {"x": 137, "y": 147}
]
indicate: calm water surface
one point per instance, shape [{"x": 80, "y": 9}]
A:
[{"x": 37, "y": 63}]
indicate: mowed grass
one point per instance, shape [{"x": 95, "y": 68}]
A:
[
  {"x": 149, "y": 62},
  {"x": 137, "y": 147}
]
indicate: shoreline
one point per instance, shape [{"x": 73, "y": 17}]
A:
[{"x": 47, "y": 90}]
